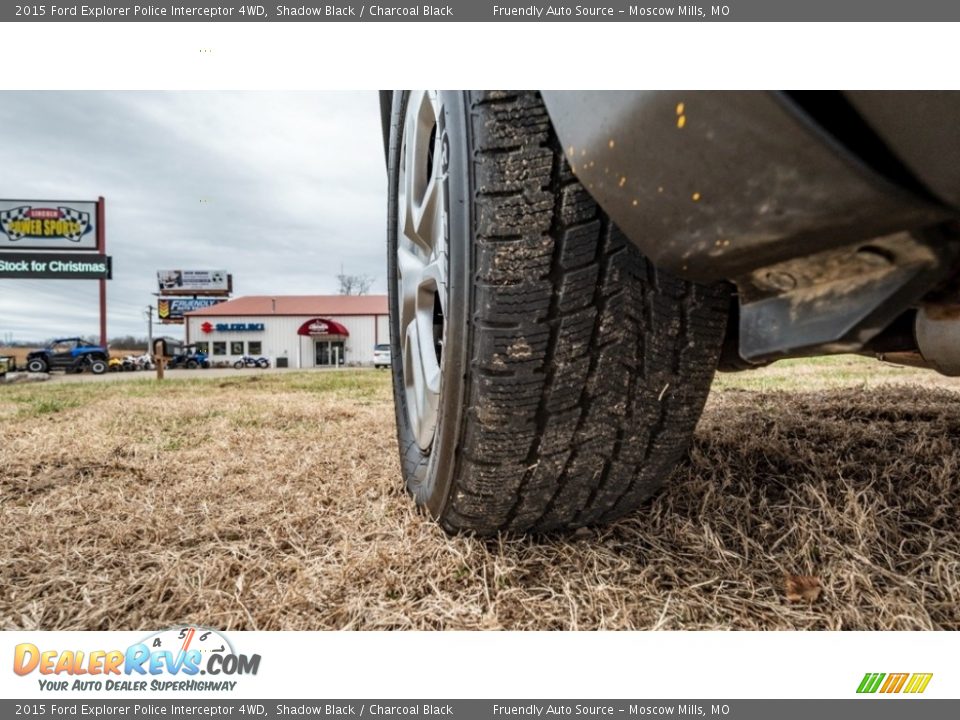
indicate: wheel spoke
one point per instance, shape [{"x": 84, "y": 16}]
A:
[
  {"x": 435, "y": 274},
  {"x": 420, "y": 179},
  {"x": 422, "y": 381},
  {"x": 426, "y": 343},
  {"x": 424, "y": 215},
  {"x": 410, "y": 269}
]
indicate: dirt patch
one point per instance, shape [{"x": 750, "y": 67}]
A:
[{"x": 277, "y": 504}]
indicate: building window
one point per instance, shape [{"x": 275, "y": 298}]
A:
[
  {"x": 203, "y": 347},
  {"x": 255, "y": 347},
  {"x": 219, "y": 348},
  {"x": 236, "y": 347}
]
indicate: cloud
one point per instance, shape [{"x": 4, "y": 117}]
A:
[{"x": 279, "y": 189}]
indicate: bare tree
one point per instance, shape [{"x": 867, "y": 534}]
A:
[{"x": 354, "y": 284}]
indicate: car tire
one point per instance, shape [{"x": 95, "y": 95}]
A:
[
  {"x": 37, "y": 366},
  {"x": 98, "y": 366},
  {"x": 192, "y": 365},
  {"x": 555, "y": 377}
]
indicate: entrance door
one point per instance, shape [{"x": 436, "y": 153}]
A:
[{"x": 329, "y": 353}]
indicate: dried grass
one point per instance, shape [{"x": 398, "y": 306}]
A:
[{"x": 275, "y": 503}]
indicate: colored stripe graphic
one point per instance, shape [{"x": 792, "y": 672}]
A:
[
  {"x": 918, "y": 682},
  {"x": 870, "y": 682},
  {"x": 894, "y": 683}
]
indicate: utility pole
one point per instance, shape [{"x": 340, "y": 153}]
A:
[{"x": 149, "y": 313}]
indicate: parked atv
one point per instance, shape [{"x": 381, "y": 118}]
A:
[
  {"x": 250, "y": 361},
  {"x": 144, "y": 362},
  {"x": 69, "y": 355},
  {"x": 125, "y": 364},
  {"x": 189, "y": 357}
]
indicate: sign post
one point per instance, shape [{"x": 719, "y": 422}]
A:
[
  {"x": 159, "y": 357},
  {"x": 102, "y": 250}
]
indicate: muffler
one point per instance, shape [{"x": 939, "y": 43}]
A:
[{"x": 937, "y": 332}]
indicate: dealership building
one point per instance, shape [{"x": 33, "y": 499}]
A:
[{"x": 296, "y": 331}]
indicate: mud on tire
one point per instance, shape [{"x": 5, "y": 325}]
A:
[{"x": 574, "y": 372}]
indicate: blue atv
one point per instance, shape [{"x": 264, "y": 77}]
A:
[
  {"x": 189, "y": 357},
  {"x": 69, "y": 355}
]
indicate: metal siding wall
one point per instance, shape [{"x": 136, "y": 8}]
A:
[
  {"x": 280, "y": 337},
  {"x": 359, "y": 345},
  {"x": 275, "y": 338},
  {"x": 383, "y": 328}
]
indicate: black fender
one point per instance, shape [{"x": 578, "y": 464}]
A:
[{"x": 713, "y": 185}]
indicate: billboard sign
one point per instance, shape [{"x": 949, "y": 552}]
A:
[
  {"x": 173, "y": 309},
  {"x": 55, "y": 266},
  {"x": 193, "y": 282},
  {"x": 48, "y": 225}
]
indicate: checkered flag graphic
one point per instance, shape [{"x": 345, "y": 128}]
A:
[
  {"x": 82, "y": 219},
  {"x": 7, "y": 218},
  {"x": 11, "y": 216}
]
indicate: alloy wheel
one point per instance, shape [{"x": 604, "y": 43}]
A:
[{"x": 422, "y": 247}]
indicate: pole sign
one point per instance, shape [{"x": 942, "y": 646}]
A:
[
  {"x": 172, "y": 310},
  {"x": 55, "y": 266},
  {"x": 193, "y": 282},
  {"x": 64, "y": 240},
  {"x": 48, "y": 225}
]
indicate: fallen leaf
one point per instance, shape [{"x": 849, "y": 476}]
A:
[{"x": 803, "y": 588}]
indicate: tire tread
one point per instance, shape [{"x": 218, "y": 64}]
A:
[{"x": 589, "y": 367}]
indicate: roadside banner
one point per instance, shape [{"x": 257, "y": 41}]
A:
[{"x": 55, "y": 266}]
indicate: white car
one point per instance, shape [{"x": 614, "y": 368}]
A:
[{"x": 381, "y": 356}]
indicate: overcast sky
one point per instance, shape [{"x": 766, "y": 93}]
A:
[{"x": 279, "y": 189}]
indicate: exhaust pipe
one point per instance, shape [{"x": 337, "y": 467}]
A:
[{"x": 937, "y": 332}]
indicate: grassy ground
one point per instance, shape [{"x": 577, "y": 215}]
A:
[{"x": 274, "y": 502}]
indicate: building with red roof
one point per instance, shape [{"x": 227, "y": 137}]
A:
[{"x": 297, "y": 331}]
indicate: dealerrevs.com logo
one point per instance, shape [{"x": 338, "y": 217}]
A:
[{"x": 181, "y": 659}]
